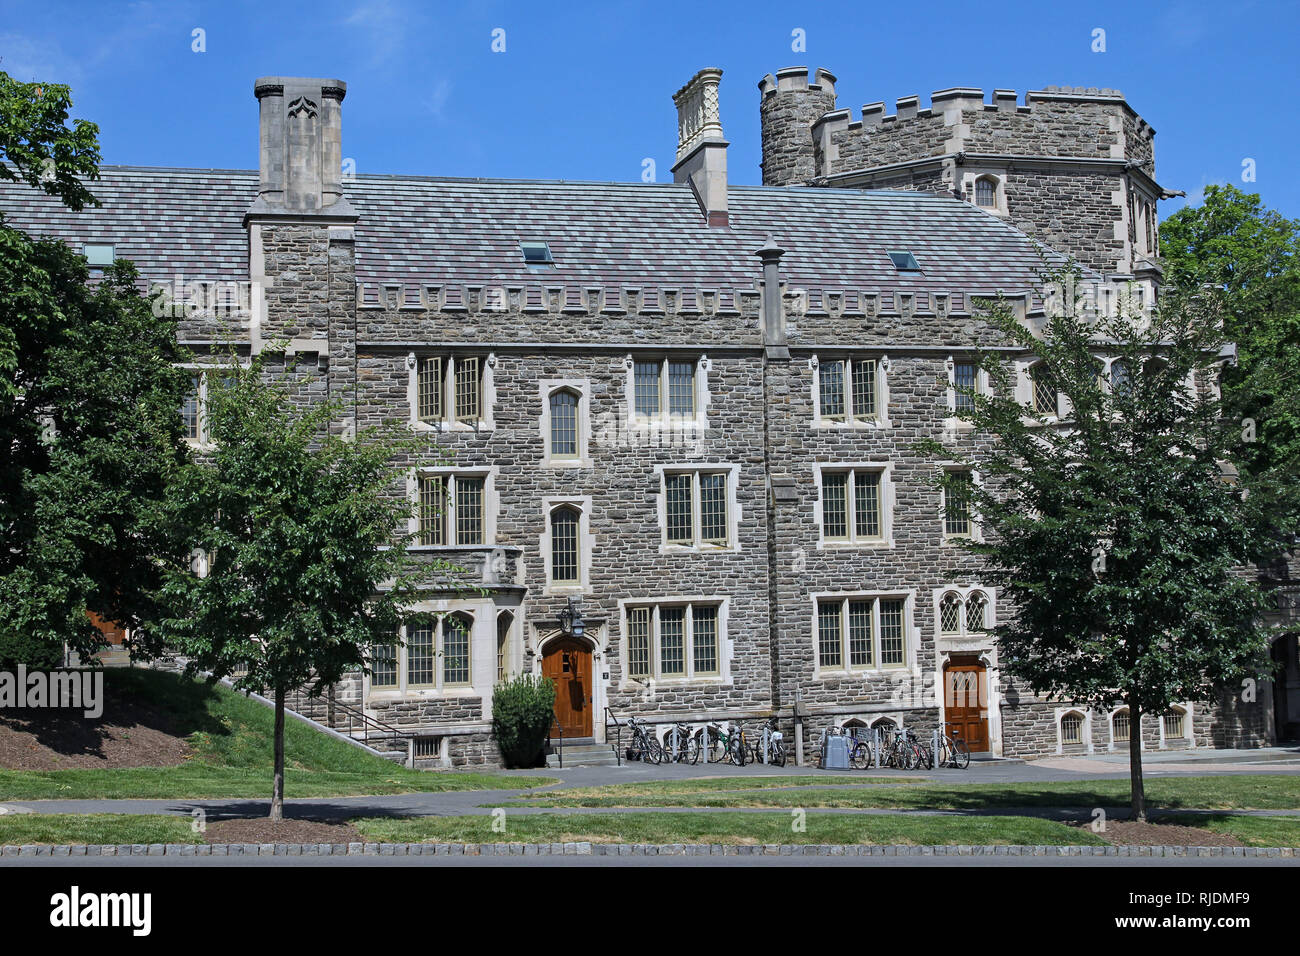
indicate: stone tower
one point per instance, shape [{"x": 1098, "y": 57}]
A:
[{"x": 1072, "y": 167}]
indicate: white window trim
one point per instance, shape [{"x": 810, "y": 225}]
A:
[
  {"x": 1112, "y": 743},
  {"x": 482, "y": 656},
  {"x": 582, "y": 388},
  {"x": 976, "y": 532},
  {"x": 491, "y": 504},
  {"x": 911, "y": 636},
  {"x": 1189, "y": 735},
  {"x": 887, "y": 495},
  {"x": 1085, "y": 728},
  {"x": 881, "y": 420},
  {"x": 694, "y": 469},
  {"x": 586, "y": 545},
  {"x": 725, "y": 645},
  {"x": 965, "y": 635},
  {"x": 700, "y": 421},
  {"x": 487, "y": 392},
  {"x": 971, "y": 176}
]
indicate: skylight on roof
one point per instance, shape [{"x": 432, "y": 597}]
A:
[
  {"x": 536, "y": 254},
  {"x": 905, "y": 262},
  {"x": 98, "y": 254}
]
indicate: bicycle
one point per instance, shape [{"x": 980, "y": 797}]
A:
[
  {"x": 774, "y": 742},
  {"x": 725, "y": 745},
  {"x": 643, "y": 746},
  {"x": 688, "y": 746},
  {"x": 953, "y": 752}
]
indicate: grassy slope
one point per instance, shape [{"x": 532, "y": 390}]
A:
[
  {"x": 1263, "y": 792},
  {"x": 231, "y": 738}
]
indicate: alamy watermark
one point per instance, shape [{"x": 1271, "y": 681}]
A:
[{"x": 59, "y": 690}]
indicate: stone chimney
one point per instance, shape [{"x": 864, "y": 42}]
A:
[
  {"x": 301, "y": 148},
  {"x": 701, "y": 148}
]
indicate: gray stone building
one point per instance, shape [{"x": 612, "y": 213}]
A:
[{"x": 686, "y": 409}]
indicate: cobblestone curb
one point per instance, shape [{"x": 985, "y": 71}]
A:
[{"x": 628, "y": 849}]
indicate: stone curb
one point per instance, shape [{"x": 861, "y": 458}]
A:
[{"x": 628, "y": 849}]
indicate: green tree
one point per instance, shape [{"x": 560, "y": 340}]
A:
[
  {"x": 1249, "y": 256},
  {"x": 306, "y": 566},
  {"x": 89, "y": 423},
  {"x": 1112, "y": 533}
]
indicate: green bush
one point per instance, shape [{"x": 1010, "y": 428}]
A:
[
  {"x": 37, "y": 654},
  {"x": 522, "y": 712}
]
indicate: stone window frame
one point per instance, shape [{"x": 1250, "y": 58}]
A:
[
  {"x": 547, "y": 388},
  {"x": 725, "y": 648},
  {"x": 695, "y": 469},
  {"x": 448, "y": 422},
  {"x": 1115, "y": 743},
  {"x": 971, "y": 176},
  {"x": 911, "y": 636},
  {"x": 983, "y": 386},
  {"x": 1085, "y": 728},
  {"x": 849, "y": 420},
  {"x": 440, "y": 688},
  {"x": 665, "y": 420},
  {"x": 976, "y": 531},
  {"x": 1189, "y": 734},
  {"x": 586, "y": 545},
  {"x": 203, "y": 441},
  {"x": 450, "y": 473},
  {"x": 887, "y": 503},
  {"x": 964, "y": 593}
]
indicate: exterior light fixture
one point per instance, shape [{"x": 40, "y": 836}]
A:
[{"x": 571, "y": 620}]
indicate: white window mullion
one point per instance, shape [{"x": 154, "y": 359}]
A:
[{"x": 688, "y": 644}]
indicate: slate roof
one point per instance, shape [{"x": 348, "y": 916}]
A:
[{"x": 467, "y": 231}]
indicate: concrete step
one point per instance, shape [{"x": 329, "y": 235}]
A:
[{"x": 583, "y": 755}]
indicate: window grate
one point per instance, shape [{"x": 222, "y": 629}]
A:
[
  {"x": 1072, "y": 729},
  {"x": 1120, "y": 727}
]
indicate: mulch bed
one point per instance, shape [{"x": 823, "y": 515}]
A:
[
  {"x": 135, "y": 735},
  {"x": 262, "y": 830},
  {"x": 1128, "y": 833}
]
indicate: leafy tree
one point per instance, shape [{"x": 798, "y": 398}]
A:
[
  {"x": 306, "y": 567},
  {"x": 89, "y": 427},
  {"x": 1250, "y": 256},
  {"x": 1112, "y": 532}
]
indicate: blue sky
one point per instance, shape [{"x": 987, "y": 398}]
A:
[{"x": 583, "y": 90}]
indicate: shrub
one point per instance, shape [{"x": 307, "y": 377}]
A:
[{"x": 522, "y": 712}]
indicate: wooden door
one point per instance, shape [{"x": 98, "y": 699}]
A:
[
  {"x": 965, "y": 704},
  {"x": 567, "y": 662}
]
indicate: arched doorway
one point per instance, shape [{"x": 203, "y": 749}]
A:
[
  {"x": 966, "y": 702},
  {"x": 567, "y": 662}
]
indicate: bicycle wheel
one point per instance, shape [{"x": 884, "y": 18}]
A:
[
  {"x": 654, "y": 751},
  {"x": 693, "y": 750},
  {"x": 960, "y": 754},
  {"x": 860, "y": 756},
  {"x": 737, "y": 750},
  {"x": 778, "y": 754}
]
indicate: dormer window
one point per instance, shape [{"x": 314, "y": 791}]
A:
[
  {"x": 536, "y": 254},
  {"x": 904, "y": 262},
  {"x": 986, "y": 192}
]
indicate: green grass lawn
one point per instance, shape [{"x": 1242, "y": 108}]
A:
[
  {"x": 231, "y": 736},
  {"x": 60, "y": 828},
  {"x": 727, "y": 828},
  {"x": 1252, "y": 831},
  {"x": 1235, "y": 792}
]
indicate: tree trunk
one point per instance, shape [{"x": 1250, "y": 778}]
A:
[
  {"x": 277, "y": 792},
  {"x": 1137, "y": 793}
]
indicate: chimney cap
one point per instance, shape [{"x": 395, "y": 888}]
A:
[
  {"x": 770, "y": 251},
  {"x": 276, "y": 85}
]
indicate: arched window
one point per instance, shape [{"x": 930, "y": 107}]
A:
[
  {"x": 856, "y": 728},
  {"x": 1044, "y": 389},
  {"x": 1072, "y": 728},
  {"x": 950, "y": 614},
  {"x": 976, "y": 606},
  {"x": 505, "y": 621},
  {"x": 565, "y": 568},
  {"x": 564, "y": 424},
  {"x": 1121, "y": 379},
  {"x": 986, "y": 192},
  {"x": 1119, "y": 726},
  {"x": 1175, "y": 726}
]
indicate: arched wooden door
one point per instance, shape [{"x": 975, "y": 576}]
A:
[
  {"x": 965, "y": 703},
  {"x": 567, "y": 662}
]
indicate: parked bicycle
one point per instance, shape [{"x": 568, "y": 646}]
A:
[
  {"x": 688, "y": 745},
  {"x": 774, "y": 741},
  {"x": 725, "y": 745},
  {"x": 643, "y": 745},
  {"x": 953, "y": 752}
]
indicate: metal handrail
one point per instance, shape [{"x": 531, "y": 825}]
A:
[
  {"x": 618, "y": 735},
  {"x": 367, "y": 722}
]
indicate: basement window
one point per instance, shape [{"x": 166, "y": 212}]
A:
[
  {"x": 98, "y": 254},
  {"x": 905, "y": 262},
  {"x": 537, "y": 254}
]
